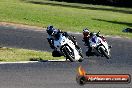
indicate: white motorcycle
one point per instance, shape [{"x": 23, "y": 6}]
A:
[
  {"x": 99, "y": 46},
  {"x": 68, "y": 49}
]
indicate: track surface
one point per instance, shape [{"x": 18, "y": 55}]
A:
[{"x": 59, "y": 74}]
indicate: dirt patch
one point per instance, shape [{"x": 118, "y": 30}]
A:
[{"x": 21, "y": 26}]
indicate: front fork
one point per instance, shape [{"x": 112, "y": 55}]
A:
[{"x": 96, "y": 51}]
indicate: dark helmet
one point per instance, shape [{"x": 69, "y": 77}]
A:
[
  {"x": 56, "y": 34},
  {"x": 92, "y": 34},
  {"x": 86, "y": 32},
  {"x": 50, "y": 30}
]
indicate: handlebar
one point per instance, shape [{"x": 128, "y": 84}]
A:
[{"x": 98, "y": 32}]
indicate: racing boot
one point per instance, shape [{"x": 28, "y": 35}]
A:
[
  {"x": 56, "y": 53},
  {"x": 89, "y": 52}
]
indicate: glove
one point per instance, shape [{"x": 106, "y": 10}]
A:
[
  {"x": 60, "y": 31},
  {"x": 65, "y": 34}
]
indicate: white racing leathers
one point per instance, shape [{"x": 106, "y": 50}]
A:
[
  {"x": 99, "y": 46},
  {"x": 67, "y": 48}
]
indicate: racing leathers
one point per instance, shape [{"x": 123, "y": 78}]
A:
[
  {"x": 87, "y": 43},
  {"x": 56, "y": 35}
]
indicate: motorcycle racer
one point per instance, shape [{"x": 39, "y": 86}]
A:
[
  {"x": 54, "y": 34},
  {"x": 86, "y": 36}
]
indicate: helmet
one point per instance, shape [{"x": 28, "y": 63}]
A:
[
  {"x": 50, "y": 30},
  {"x": 86, "y": 32},
  {"x": 92, "y": 34},
  {"x": 56, "y": 34}
]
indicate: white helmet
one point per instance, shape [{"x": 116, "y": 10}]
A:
[{"x": 86, "y": 32}]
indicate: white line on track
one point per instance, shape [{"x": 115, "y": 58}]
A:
[{"x": 21, "y": 62}]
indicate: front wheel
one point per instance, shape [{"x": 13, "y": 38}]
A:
[
  {"x": 80, "y": 60},
  {"x": 69, "y": 54},
  {"x": 104, "y": 53}
]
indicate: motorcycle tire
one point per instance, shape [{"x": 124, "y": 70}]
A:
[
  {"x": 68, "y": 55},
  {"x": 80, "y": 60},
  {"x": 104, "y": 53}
]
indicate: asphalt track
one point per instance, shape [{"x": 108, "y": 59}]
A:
[{"x": 59, "y": 74}]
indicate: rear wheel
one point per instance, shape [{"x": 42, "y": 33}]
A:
[{"x": 104, "y": 53}]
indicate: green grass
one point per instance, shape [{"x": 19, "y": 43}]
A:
[
  {"x": 68, "y": 16},
  {"x": 14, "y": 54}
]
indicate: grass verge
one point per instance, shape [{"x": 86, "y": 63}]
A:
[
  {"x": 14, "y": 54},
  {"x": 67, "y": 16}
]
